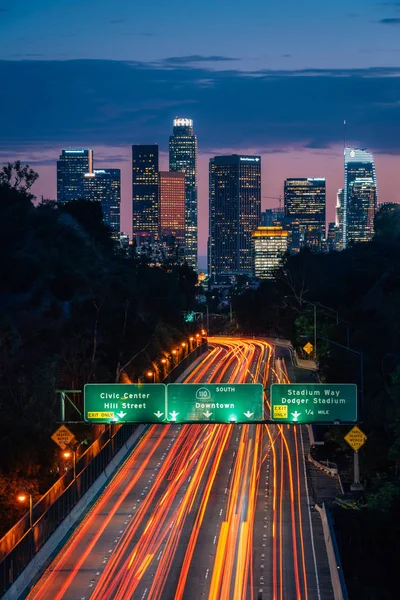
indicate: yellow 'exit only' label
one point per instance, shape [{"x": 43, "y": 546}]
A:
[
  {"x": 280, "y": 412},
  {"x": 100, "y": 415}
]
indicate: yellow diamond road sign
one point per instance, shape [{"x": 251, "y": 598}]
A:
[
  {"x": 63, "y": 436},
  {"x": 308, "y": 348},
  {"x": 356, "y": 438}
]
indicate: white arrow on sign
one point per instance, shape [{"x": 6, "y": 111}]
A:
[
  {"x": 121, "y": 414},
  {"x": 207, "y": 414},
  {"x": 248, "y": 414},
  {"x": 158, "y": 414},
  {"x": 174, "y": 414},
  {"x": 296, "y": 415}
]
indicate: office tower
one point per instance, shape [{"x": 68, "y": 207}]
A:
[
  {"x": 269, "y": 245},
  {"x": 305, "y": 200},
  {"x": 183, "y": 158},
  {"x": 358, "y": 199},
  {"x": 235, "y": 212},
  {"x": 145, "y": 205},
  {"x": 331, "y": 237},
  {"x": 71, "y": 166},
  {"x": 272, "y": 216},
  {"x": 339, "y": 220},
  {"x": 361, "y": 209},
  {"x": 104, "y": 185},
  {"x": 172, "y": 207}
]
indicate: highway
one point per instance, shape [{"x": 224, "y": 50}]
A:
[{"x": 201, "y": 511}]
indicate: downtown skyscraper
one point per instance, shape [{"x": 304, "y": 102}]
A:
[
  {"x": 304, "y": 203},
  {"x": 183, "y": 158},
  {"x": 172, "y": 207},
  {"x": 360, "y": 197},
  {"x": 145, "y": 197},
  {"x": 71, "y": 167},
  {"x": 104, "y": 186},
  {"x": 235, "y": 213}
]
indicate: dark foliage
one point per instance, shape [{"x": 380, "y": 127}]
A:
[
  {"x": 73, "y": 310},
  {"x": 361, "y": 286}
]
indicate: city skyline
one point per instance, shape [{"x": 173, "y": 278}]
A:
[
  {"x": 274, "y": 168},
  {"x": 133, "y": 78}
]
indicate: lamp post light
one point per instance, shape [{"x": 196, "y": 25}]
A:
[
  {"x": 67, "y": 454},
  {"x": 22, "y": 498},
  {"x": 151, "y": 374}
]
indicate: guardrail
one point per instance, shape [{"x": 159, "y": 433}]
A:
[
  {"x": 19, "y": 545},
  {"x": 335, "y": 565}
]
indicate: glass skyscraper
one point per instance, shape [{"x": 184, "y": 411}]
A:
[
  {"x": 145, "y": 205},
  {"x": 269, "y": 245},
  {"x": 305, "y": 201},
  {"x": 235, "y": 212},
  {"x": 104, "y": 185},
  {"x": 71, "y": 166},
  {"x": 183, "y": 157},
  {"x": 272, "y": 216},
  {"x": 360, "y": 196},
  {"x": 172, "y": 207}
]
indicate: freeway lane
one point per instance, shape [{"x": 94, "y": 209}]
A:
[{"x": 199, "y": 511}]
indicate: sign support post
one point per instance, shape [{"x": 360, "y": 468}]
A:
[
  {"x": 357, "y": 486},
  {"x": 356, "y": 438}
]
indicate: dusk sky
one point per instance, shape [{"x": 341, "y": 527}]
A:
[{"x": 275, "y": 78}]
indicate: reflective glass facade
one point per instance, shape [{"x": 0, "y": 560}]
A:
[
  {"x": 269, "y": 246},
  {"x": 305, "y": 201},
  {"x": 104, "y": 185},
  {"x": 71, "y": 166},
  {"x": 339, "y": 220},
  {"x": 183, "y": 158},
  {"x": 272, "y": 216},
  {"x": 360, "y": 195},
  {"x": 145, "y": 204},
  {"x": 235, "y": 212},
  {"x": 172, "y": 207},
  {"x": 362, "y": 206}
]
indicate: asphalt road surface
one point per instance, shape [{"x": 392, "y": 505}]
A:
[{"x": 218, "y": 512}]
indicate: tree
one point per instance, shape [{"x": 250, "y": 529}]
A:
[{"x": 17, "y": 177}]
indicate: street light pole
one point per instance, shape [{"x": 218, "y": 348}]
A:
[
  {"x": 360, "y": 354},
  {"x": 30, "y": 510},
  {"x": 315, "y": 332},
  {"x": 22, "y": 498},
  {"x": 315, "y": 326}
]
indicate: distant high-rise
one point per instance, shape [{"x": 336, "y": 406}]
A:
[
  {"x": 235, "y": 212},
  {"x": 362, "y": 206},
  {"x": 331, "y": 237},
  {"x": 71, "y": 166},
  {"x": 183, "y": 158},
  {"x": 360, "y": 195},
  {"x": 172, "y": 207},
  {"x": 145, "y": 204},
  {"x": 339, "y": 220},
  {"x": 305, "y": 201},
  {"x": 269, "y": 245},
  {"x": 272, "y": 216},
  {"x": 104, "y": 185}
]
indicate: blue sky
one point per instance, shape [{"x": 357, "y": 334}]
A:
[
  {"x": 274, "y": 34},
  {"x": 272, "y": 77}
]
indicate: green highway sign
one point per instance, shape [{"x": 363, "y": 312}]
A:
[
  {"x": 125, "y": 402},
  {"x": 215, "y": 403},
  {"x": 314, "y": 402}
]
